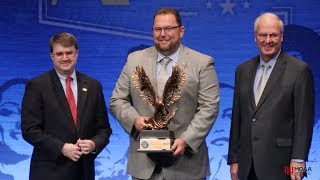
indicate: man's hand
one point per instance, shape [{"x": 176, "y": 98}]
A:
[
  {"x": 140, "y": 123},
  {"x": 178, "y": 147},
  {"x": 71, "y": 151},
  {"x": 296, "y": 174},
  {"x": 234, "y": 170},
  {"x": 86, "y": 146}
]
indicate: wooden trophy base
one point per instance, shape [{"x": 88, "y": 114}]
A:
[{"x": 156, "y": 141}]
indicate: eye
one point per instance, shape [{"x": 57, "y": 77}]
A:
[
  {"x": 273, "y": 35},
  {"x": 263, "y": 35},
  {"x": 157, "y": 29},
  {"x": 69, "y": 53},
  {"x": 59, "y": 53},
  {"x": 168, "y": 28}
]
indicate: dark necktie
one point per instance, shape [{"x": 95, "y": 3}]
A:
[
  {"x": 262, "y": 83},
  {"x": 163, "y": 76},
  {"x": 71, "y": 100}
]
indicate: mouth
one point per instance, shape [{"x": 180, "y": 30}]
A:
[
  {"x": 67, "y": 63},
  {"x": 164, "y": 41},
  {"x": 268, "y": 47}
]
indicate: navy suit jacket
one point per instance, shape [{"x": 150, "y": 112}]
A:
[{"x": 47, "y": 124}]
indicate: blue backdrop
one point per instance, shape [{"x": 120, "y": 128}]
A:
[{"x": 108, "y": 30}]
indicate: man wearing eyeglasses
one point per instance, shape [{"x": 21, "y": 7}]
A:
[
  {"x": 273, "y": 110},
  {"x": 197, "y": 108},
  {"x": 64, "y": 117}
]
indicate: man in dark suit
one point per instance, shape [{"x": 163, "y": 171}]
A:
[
  {"x": 64, "y": 117},
  {"x": 273, "y": 110},
  {"x": 197, "y": 108}
]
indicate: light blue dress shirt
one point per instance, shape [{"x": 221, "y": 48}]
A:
[{"x": 173, "y": 60}]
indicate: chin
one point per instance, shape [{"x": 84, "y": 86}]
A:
[
  {"x": 164, "y": 47},
  {"x": 269, "y": 52},
  {"x": 66, "y": 68}
]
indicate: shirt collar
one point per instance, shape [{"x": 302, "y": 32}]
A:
[
  {"x": 173, "y": 56},
  {"x": 272, "y": 62},
  {"x": 73, "y": 76}
]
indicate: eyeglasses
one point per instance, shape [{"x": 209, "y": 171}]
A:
[
  {"x": 272, "y": 36},
  {"x": 61, "y": 54},
  {"x": 167, "y": 29}
]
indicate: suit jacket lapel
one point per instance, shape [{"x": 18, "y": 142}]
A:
[
  {"x": 252, "y": 75},
  {"x": 183, "y": 57},
  {"x": 62, "y": 100},
  {"x": 151, "y": 67},
  {"x": 274, "y": 77},
  {"x": 82, "y": 98}
]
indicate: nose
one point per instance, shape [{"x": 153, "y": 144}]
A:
[
  {"x": 65, "y": 56},
  {"x": 268, "y": 39},
  {"x": 163, "y": 32}
]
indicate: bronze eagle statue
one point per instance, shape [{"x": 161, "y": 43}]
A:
[{"x": 171, "y": 94}]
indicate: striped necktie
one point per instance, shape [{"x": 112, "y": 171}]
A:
[
  {"x": 163, "y": 75},
  {"x": 262, "y": 83}
]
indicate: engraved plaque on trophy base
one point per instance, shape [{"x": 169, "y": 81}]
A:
[{"x": 156, "y": 141}]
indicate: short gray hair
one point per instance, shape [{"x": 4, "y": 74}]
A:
[{"x": 270, "y": 15}]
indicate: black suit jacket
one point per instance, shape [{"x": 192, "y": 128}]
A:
[
  {"x": 280, "y": 127},
  {"x": 47, "y": 124}
]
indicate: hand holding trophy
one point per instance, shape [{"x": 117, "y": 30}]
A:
[{"x": 158, "y": 138}]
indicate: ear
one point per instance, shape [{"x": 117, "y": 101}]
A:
[
  {"x": 181, "y": 31},
  {"x": 51, "y": 55},
  {"x": 76, "y": 55}
]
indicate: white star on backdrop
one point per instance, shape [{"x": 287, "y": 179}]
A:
[
  {"x": 227, "y": 7},
  {"x": 209, "y": 4},
  {"x": 246, "y": 5}
]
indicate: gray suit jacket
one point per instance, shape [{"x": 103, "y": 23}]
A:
[
  {"x": 197, "y": 111},
  {"x": 280, "y": 127}
]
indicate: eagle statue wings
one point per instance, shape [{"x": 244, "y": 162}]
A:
[{"x": 171, "y": 94}]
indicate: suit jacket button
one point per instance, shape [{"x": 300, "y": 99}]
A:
[{"x": 254, "y": 120}]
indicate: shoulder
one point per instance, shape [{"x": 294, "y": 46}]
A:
[
  {"x": 195, "y": 54},
  {"x": 247, "y": 64},
  {"x": 42, "y": 78},
  {"x": 196, "y": 58},
  {"x": 293, "y": 62},
  {"x": 83, "y": 77},
  {"x": 141, "y": 53},
  {"x": 41, "y": 83}
]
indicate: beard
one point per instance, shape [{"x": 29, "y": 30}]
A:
[{"x": 167, "y": 49}]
